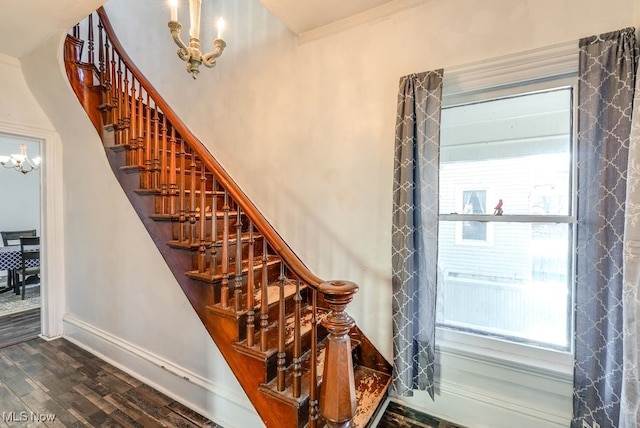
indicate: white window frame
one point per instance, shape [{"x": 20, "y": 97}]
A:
[{"x": 529, "y": 71}]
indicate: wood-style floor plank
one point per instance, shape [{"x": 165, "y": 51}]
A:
[
  {"x": 18, "y": 327},
  {"x": 58, "y": 380}
]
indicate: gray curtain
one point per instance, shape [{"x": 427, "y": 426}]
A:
[
  {"x": 605, "y": 95},
  {"x": 630, "y": 406},
  {"x": 415, "y": 231}
]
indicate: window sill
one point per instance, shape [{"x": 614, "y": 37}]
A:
[{"x": 533, "y": 360}]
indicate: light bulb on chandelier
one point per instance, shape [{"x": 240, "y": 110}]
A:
[
  {"x": 192, "y": 54},
  {"x": 20, "y": 161}
]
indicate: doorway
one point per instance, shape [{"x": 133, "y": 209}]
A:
[{"x": 20, "y": 193}]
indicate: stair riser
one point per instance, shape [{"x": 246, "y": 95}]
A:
[
  {"x": 183, "y": 220},
  {"x": 273, "y": 271},
  {"x": 165, "y": 198},
  {"x": 232, "y": 253},
  {"x": 273, "y": 312}
]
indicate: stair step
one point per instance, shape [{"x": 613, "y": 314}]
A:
[
  {"x": 216, "y": 276},
  {"x": 370, "y": 385},
  {"x": 176, "y": 216},
  {"x": 187, "y": 245},
  {"x": 371, "y": 391}
]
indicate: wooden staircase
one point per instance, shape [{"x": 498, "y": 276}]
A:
[{"x": 284, "y": 332}]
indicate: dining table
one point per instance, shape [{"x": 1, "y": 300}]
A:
[{"x": 11, "y": 259}]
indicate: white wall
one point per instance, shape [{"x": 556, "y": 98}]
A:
[
  {"x": 307, "y": 130},
  {"x": 19, "y": 193}
]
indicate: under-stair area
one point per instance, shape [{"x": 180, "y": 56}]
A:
[{"x": 284, "y": 332}]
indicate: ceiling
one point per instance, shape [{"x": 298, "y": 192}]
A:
[
  {"x": 312, "y": 15},
  {"x": 42, "y": 19},
  {"x": 45, "y": 18}
]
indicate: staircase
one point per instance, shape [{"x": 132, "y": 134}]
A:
[{"x": 284, "y": 332}]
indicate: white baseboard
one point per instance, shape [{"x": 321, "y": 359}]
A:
[{"x": 215, "y": 401}]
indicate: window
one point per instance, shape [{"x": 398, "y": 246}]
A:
[
  {"x": 505, "y": 261},
  {"x": 474, "y": 202}
]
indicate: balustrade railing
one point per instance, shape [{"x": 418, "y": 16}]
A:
[{"x": 237, "y": 249}]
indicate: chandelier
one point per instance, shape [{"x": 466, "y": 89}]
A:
[
  {"x": 20, "y": 161},
  {"x": 192, "y": 54}
]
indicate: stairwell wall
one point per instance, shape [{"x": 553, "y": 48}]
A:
[{"x": 122, "y": 302}]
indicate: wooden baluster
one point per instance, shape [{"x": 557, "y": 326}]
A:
[
  {"x": 119, "y": 114},
  {"x": 281, "y": 332},
  {"x": 202, "y": 249},
  {"x": 107, "y": 68},
  {"x": 164, "y": 183},
  {"x": 155, "y": 163},
  {"x": 182, "y": 219},
  {"x": 264, "y": 298},
  {"x": 148, "y": 145},
  {"x": 297, "y": 344},
  {"x": 224, "y": 290},
  {"x": 192, "y": 201},
  {"x": 173, "y": 175},
  {"x": 126, "y": 118},
  {"x": 313, "y": 373},
  {"x": 133, "y": 142},
  {"x": 140, "y": 137},
  {"x": 213, "y": 263},
  {"x": 101, "y": 70},
  {"x": 144, "y": 142},
  {"x": 90, "y": 40},
  {"x": 338, "y": 392},
  {"x": 251, "y": 314},
  {"x": 237, "y": 282},
  {"x": 108, "y": 85}
]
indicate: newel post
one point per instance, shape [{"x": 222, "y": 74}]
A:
[{"x": 338, "y": 391}]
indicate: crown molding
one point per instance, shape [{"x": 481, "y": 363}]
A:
[{"x": 9, "y": 60}]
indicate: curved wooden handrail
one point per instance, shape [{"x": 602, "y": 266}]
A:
[{"x": 289, "y": 257}]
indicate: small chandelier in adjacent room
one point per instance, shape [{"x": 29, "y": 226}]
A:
[
  {"x": 192, "y": 54},
  {"x": 20, "y": 161}
]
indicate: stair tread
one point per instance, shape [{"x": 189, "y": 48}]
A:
[
  {"x": 272, "y": 333},
  {"x": 370, "y": 386},
  {"x": 371, "y": 391},
  {"x": 218, "y": 274},
  {"x": 244, "y": 237}
]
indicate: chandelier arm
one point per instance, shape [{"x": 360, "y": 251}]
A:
[
  {"x": 20, "y": 162},
  {"x": 183, "y": 52},
  {"x": 209, "y": 59}
]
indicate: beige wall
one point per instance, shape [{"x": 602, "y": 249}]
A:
[{"x": 307, "y": 130}]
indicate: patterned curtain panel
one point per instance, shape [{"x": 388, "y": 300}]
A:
[
  {"x": 630, "y": 406},
  {"x": 415, "y": 231},
  {"x": 605, "y": 95}
]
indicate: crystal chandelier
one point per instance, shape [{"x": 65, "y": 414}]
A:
[
  {"x": 20, "y": 161},
  {"x": 192, "y": 54}
]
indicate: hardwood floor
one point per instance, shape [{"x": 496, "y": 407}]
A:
[
  {"x": 398, "y": 416},
  {"x": 58, "y": 384},
  {"x": 18, "y": 327}
]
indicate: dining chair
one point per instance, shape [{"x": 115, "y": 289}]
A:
[
  {"x": 12, "y": 237},
  {"x": 29, "y": 254}
]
